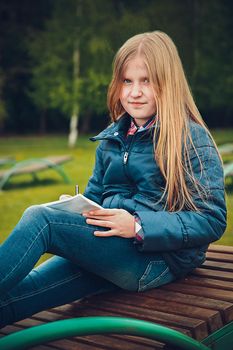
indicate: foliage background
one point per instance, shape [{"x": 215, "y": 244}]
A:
[{"x": 38, "y": 41}]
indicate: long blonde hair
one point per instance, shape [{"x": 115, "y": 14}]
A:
[{"x": 175, "y": 108}]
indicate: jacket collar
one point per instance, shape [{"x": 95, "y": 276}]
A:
[{"x": 118, "y": 128}]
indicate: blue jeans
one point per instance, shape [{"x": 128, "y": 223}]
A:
[{"x": 83, "y": 264}]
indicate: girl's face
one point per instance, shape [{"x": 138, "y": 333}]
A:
[{"x": 137, "y": 95}]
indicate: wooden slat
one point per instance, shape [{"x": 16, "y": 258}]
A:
[
  {"x": 28, "y": 322},
  {"x": 124, "y": 342},
  {"x": 225, "y": 308},
  {"x": 50, "y": 316},
  {"x": 53, "y": 316},
  {"x": 198, "y": 328},
  {"x": 216, "y": 256},
  {"x": 42, "y": 347},
  {"x": 137, "y": 340},
  {"x": 92, "y": 310},
  {"x": 73, "y": 344},
  {"x": 107, "y": 342},
  {"x": 208, "y": 282},
  {"x": 10, "y": 329},
  {"x": 218, "y": 265},
  {"x": 212, "y": 317},
  {"x": 213, "y": 293},
  {"x": 209, "y": 273},
  {"x": 132, "y": 310},
  {"x": 220, "y": 248},
  {"x": 70, "y": 344}
]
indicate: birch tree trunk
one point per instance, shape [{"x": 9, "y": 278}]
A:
[{"x": 73, "y": 135}]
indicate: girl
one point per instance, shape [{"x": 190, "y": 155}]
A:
[{"x": 158, "y": 176}]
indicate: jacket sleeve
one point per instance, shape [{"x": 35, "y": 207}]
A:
[
  {"x": 167, "y": 231},
  {"x": 94, "y": 188}
]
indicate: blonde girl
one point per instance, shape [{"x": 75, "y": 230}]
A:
[{"x": 158, "y": 177}]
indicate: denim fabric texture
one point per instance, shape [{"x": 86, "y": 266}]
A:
[{"x": 84, "y": 264}]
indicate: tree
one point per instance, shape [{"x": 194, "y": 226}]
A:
[
  {"x": 213, "y": 75},
  {"x": 73, "y": 56},
  {"x": 55, "y": 31},
  {"x": 17, "y": 19},
  {"x": 59, "y": 79}
]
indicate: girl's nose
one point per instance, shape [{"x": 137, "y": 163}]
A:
[{"x": 136, "y": 90}]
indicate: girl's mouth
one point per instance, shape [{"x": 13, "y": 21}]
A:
[{"x": 137, "y": 103}]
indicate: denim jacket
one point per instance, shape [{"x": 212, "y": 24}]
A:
[{"x": 126, "y": 176}]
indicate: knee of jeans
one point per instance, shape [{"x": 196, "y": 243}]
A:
[{"x": 34, "y": 212}]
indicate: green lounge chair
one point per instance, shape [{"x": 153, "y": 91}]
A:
[
  {"x": 33, "y": 166},
  {"x": 226, "y": 148},
  {"x": 7, "y": 160},
  {"x": 228, "y": 169}
]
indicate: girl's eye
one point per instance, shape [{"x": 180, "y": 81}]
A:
[{"x": 126, "y": 81}]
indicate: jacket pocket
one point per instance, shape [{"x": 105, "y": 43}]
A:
[{"x": 156, "y": 274}]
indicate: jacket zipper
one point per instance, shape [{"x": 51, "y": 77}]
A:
[
  {"x": 127, "y": 149},
  {"x": 126, "y": 155}
]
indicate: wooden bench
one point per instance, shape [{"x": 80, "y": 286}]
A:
[
  {"x": 35, "y": 165},
  {"x": 200, "y": 306}
]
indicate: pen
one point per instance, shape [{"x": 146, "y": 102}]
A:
[{"x": 76, "y": 189}]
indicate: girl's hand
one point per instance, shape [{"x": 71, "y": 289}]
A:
[{"x": 120, "y": 222}]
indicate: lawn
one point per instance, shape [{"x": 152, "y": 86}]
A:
[{"x": 23, "y": 192}]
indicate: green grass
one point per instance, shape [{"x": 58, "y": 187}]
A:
[{"x": 22, "y": 192}]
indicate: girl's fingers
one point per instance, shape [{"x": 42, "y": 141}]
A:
[
  {"x": 100, "y": 217},
  {"x": 105, "y": 233},
  {"x": 101, "y": 212},
  {"x": 101, "y": 223}
]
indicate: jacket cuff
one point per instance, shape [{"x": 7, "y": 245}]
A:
[{"x": 138, "y": 229}]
